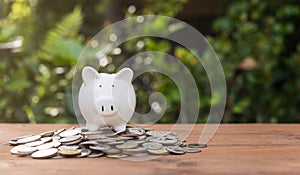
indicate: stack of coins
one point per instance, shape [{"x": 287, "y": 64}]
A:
[{"x": 79, "y": 142}]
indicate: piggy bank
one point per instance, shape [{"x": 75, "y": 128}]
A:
[{"x": 106, "y": 99}]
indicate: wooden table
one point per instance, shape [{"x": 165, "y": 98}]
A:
[{"x": 235, "y": 149}]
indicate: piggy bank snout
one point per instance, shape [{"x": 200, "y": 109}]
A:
[{"x": 106, "y": 106}]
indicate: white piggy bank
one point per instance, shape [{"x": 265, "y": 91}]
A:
[{"x": 106, "y": 99}]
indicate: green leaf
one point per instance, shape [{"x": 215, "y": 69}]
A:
[
  {"x": 241, "y": 106},
  {"x": 6, "y": 32},
  {"x": 18, "y": 81},
  {"x": 68, "y": 50},
  {"x": 67, "y": 27},
  {"x": 222, "y": 24}
]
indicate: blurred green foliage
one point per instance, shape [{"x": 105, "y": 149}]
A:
[
  {"x": 36, "y": 75},
  {"x": 257, "y": 42}
]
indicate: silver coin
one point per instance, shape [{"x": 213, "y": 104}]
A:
[
  {"x": 174, "y": 147},
  {"x": 117, "y": 138},
  {"x": 145, "y": 154},
  {"x": 58, "y": 131},
  {"x": 164, "y": 140},
  {"x": 105, "y": 140},
  {"x": 140, "y": 141},
  {"x": 112, "y": 151},
  {"x": 114, "y": 138},
  {"x": 96, "y": 154},
  {"x": 88, "y": 143},
  {"x": 129, "y": 135},
  {"x": 180, "y": 143},
  {"x": 68, "y": 147},
  {"x": 49, "y": 145},
  {"x": 69, "y": 133},
  {"x": 55, "y": 138},
  {"x": 84, "y": 153},
  {"x": 99, "y": 147},
  {"x": 158, "y": 133},
  {"x": 168, "y": 141},
  {"x": 115, "y": 142},
  {"x": 46, "y": 139},
  {"x": 69, "y": 139},
  {"x": 152, "y": 145},
  {"x": 46, "y": 153},
  {"x": 21, "y": 137},
  {"x": 134, "y": 150},
  {"x": 162, "y": 151},
  {"x": 143, "y": 137},
  {"x": 35, "y": 143},
  {"x": 73, "y": 143},
  {"x": 126, "y": 138},
  {"x": 114, "y": 134},
  {"x": 29, "y": 139},
  {"x": 92, "y": 133},
  {"x": 108, "y": 132},
  {"x": 128, "y": 144},
  {"x": 13, "y": 142},
  {"x": 105, "y": 128},
  {"x": 172, "y": 137},
  {"x": 56, "y": 144},
  {"x": 192, "y": 150},
  {"x": 47, "y": 133},
  {"x": 175, "y": 150},
  {"x": 138, "y": 131},
  {"x": 152, "y": 139},
  {"x": 197, "y": 145},
  {"x": 26, "y": 150},
  {"x": 94, "y": 137},
  {"x": 15, "y": 149}
]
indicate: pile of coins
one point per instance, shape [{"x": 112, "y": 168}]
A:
[{"x": 79, "y": 142}]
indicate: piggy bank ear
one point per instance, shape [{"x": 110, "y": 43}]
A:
[
  {"x": 125, "y": 74},
  {"x": 88, "y": 74}
]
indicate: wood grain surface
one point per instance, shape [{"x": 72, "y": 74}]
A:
[{"x": 235, "y": 149}]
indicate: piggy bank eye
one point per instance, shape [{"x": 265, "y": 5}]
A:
[
  {"x": 112, "y": 85},
  {"x": 100, "y": 85}
]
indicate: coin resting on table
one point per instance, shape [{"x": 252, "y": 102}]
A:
[{"x": 79, "y": 143}]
